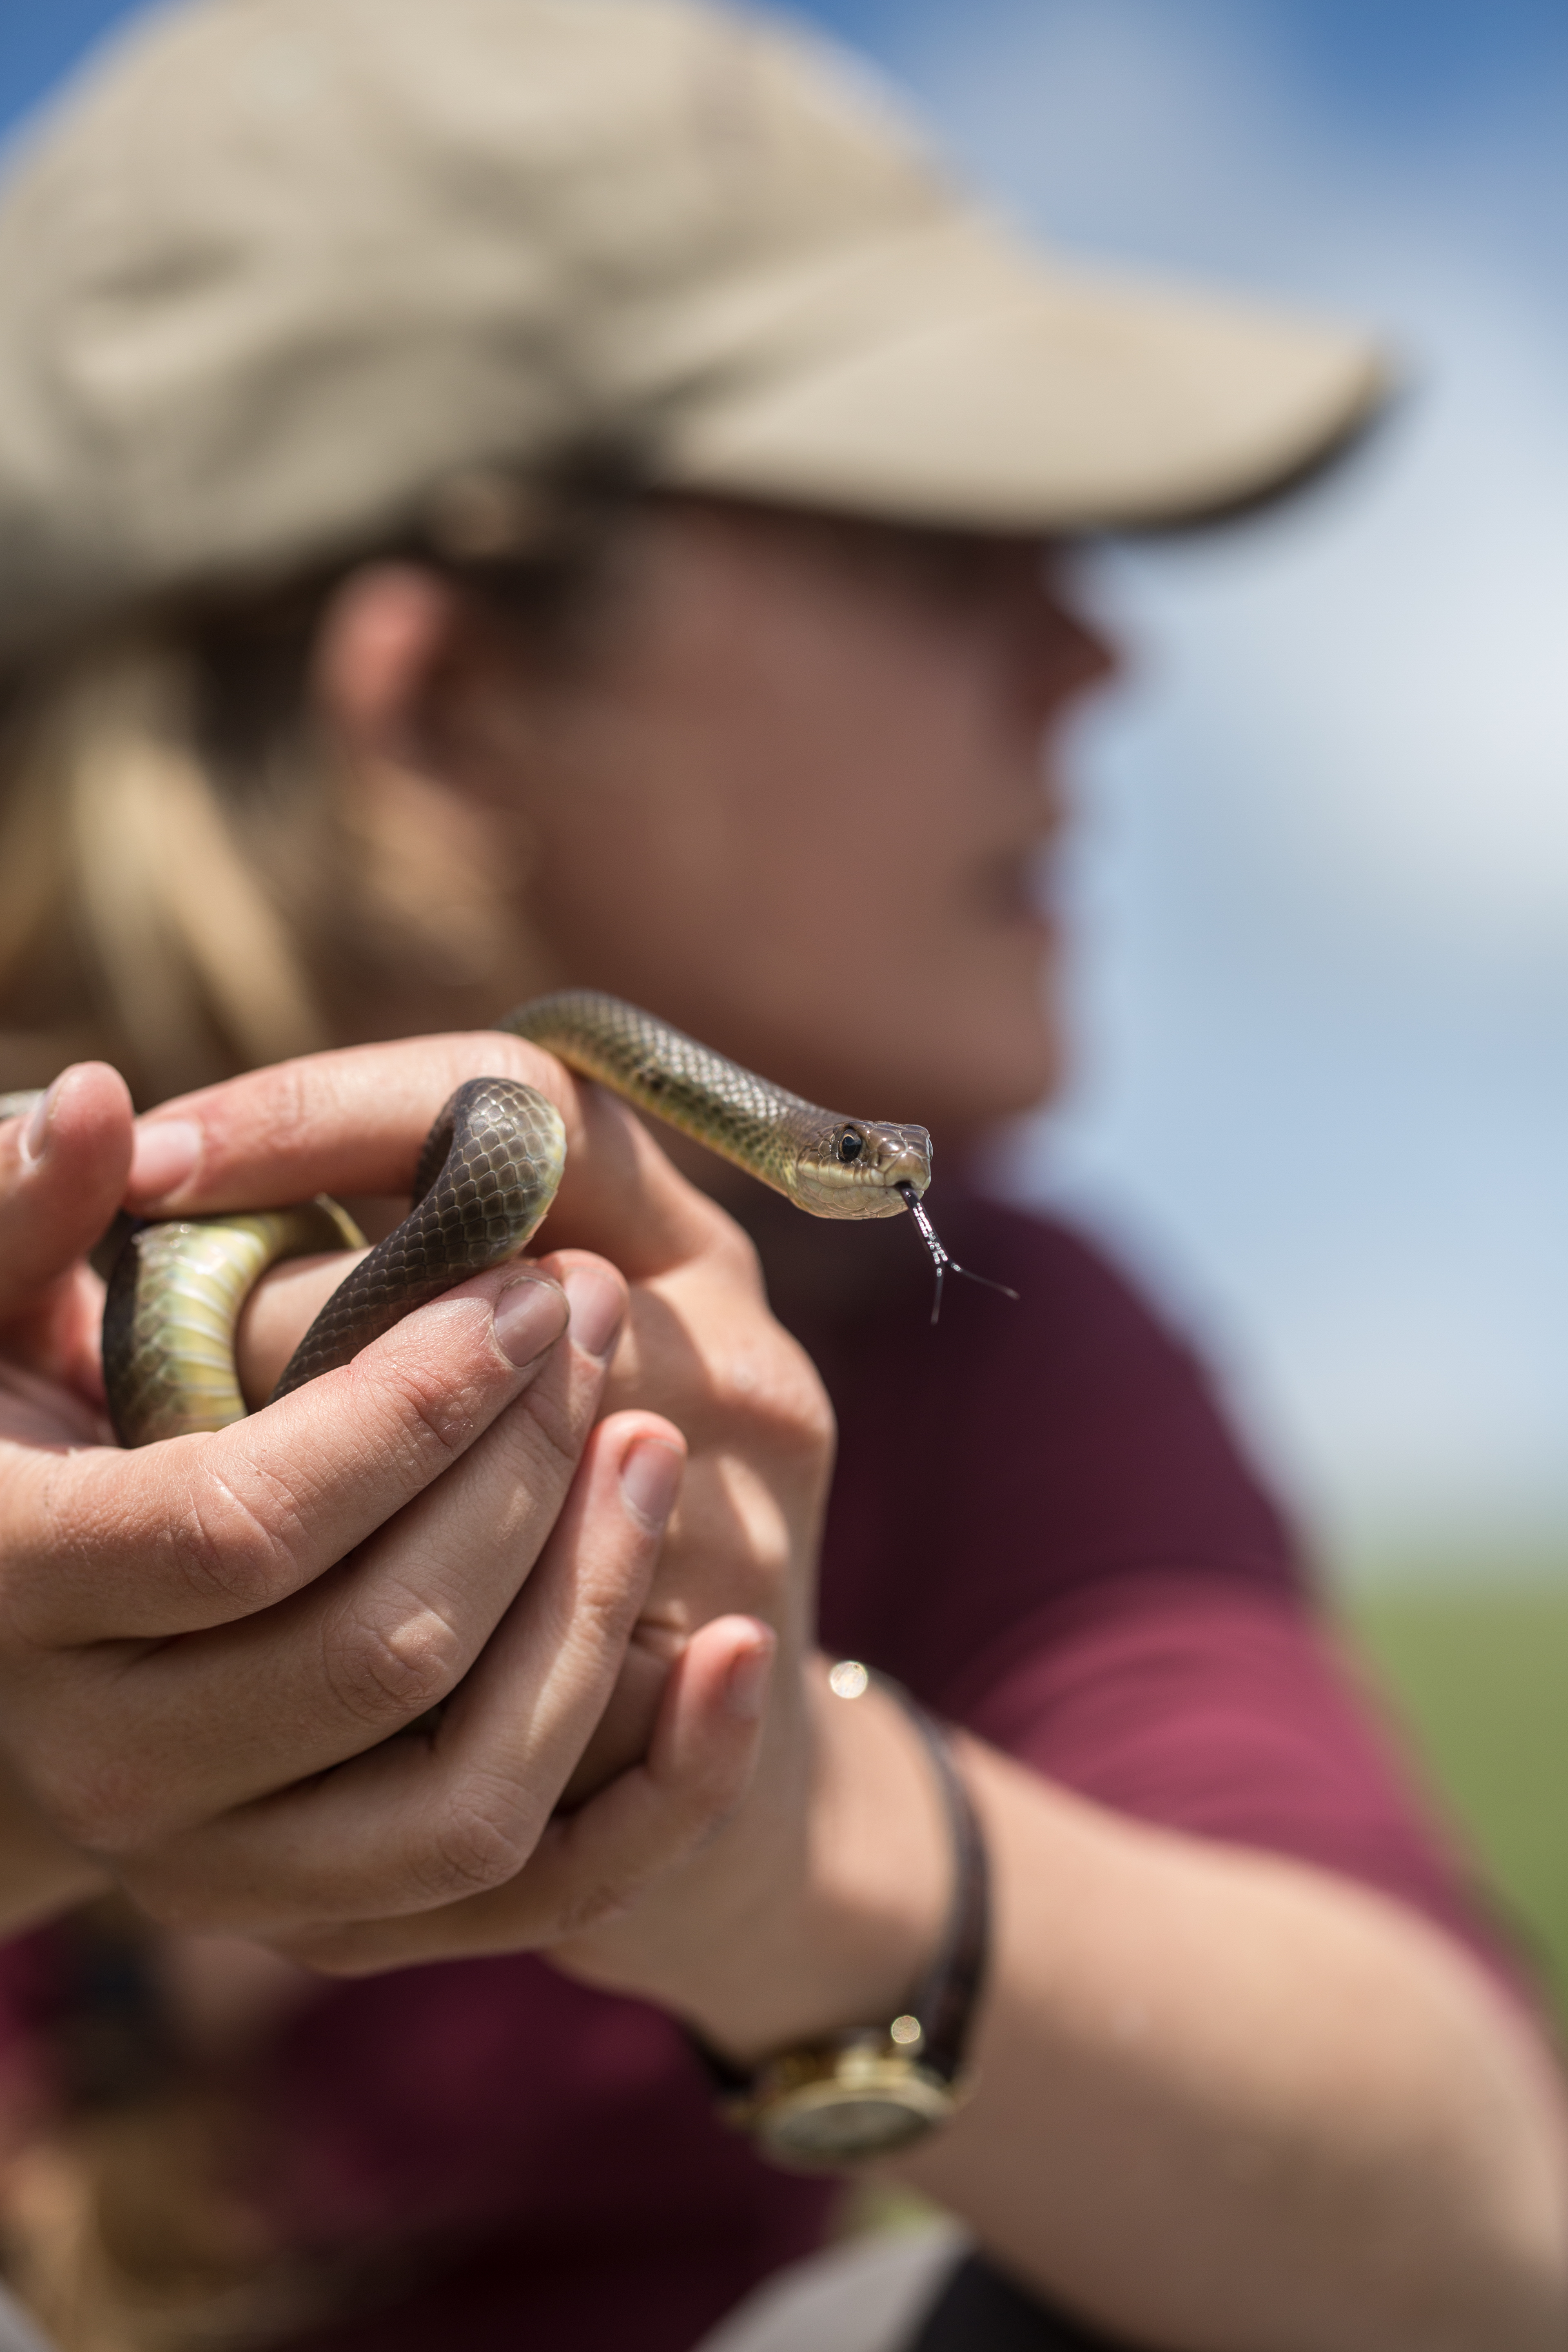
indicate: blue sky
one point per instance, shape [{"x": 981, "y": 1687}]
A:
[
  {"x": 1324, "y": 885},
  {"x": 1324, "y": 881}
]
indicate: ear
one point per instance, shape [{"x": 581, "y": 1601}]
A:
[
  {"x": 409, "y": 675},
  {"x": 400, "y": 677},
  {"x": 385, "y": 641}
]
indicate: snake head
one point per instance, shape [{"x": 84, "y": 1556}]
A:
[{"x": 853, "y": 1167}]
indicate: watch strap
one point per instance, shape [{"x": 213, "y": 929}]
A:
[
  {"x": 942, "y": 2005},
  {"x": 945, "y": 2000}
]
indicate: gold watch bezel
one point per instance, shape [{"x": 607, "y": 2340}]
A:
[{"x": 845, "y": 2103}]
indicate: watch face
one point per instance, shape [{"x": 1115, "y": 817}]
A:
[{"x": 830, "y": 2123}]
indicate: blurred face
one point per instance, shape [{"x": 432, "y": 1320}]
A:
[{"x": 795, "y": 798}]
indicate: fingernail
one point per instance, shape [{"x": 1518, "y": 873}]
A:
[
  {"x": 164, "y": 1156},
  {"x": 35, "y": 1134},
  {"x": 599, "y": 1303},
  {"x": 650, "y": 1480},
  {"x": 746, "y": 1690},
  {"x": 529, "y": 1316}
]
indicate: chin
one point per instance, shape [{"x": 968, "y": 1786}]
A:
[
  {"x": 956, "y": 1041},
  {"x": 1005, "y": 1087},
  {"x": 1003, "y": 1045},
  {"x": 998, "y": 1062}
]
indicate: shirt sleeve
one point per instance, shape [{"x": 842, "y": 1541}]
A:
[{"x": 1198, "y": 1706}]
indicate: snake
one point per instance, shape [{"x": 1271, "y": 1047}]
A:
[{"x": 484, "y": 1183}]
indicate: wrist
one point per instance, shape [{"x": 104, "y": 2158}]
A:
[
  {"x": 860, "y": 2093},
  {"x": 849, "y": 1907}
]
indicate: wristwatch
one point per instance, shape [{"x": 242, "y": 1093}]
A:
[{"x": 870, "y": 2090}]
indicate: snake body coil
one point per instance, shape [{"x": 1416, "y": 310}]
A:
[
  {"x": 826, "y": 1164},
  {"x": 486, "y": 1179}
]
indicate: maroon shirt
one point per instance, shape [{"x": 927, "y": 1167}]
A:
[{"x": 1041, "y": 1525}]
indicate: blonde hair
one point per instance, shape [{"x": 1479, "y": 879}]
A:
[
  {"x": 188, "y": 874},
  {"x": 191, "y": 879},
  {"x": 137, "y": 920}
]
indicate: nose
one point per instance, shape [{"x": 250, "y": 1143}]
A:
[
  {"x": 1067, "y": 652},
  {"x": 905, "y": 1158}
]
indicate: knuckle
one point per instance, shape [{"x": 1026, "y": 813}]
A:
[
  {"x": 774, "y": 1393},
  {"x": 390, "y": 1668},
  {"x": 604, "y": 1612},
  {"x": 590, "y": 1615},
  {"x": 242, "y": 1550},
  {"x": 550, "y": 1431},
  {"x": 729, "y": 1248},
  {"x": 434, "y": 1413},
  {"x": 98, "y": 1804},
  {"x": 597, "y": 1904},
  {"x": 807, "y": 1419},
  {"x": 291, "y": 1106},
  {"x": 484, "y": 1835}
]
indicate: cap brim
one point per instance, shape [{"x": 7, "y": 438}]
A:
[{"x": 957, "y": 377}]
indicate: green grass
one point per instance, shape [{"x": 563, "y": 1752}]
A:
[{"x": 1479, "y": 1676}]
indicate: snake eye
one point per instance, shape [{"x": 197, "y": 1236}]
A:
[{"x": 851, "y": 1144}]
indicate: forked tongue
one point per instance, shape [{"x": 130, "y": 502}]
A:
[{"x": 944, "y": 1263}]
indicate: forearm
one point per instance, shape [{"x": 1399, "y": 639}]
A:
[{"x": 1225, "y": 2101}]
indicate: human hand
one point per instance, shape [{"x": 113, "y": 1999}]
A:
[
  {"x": 696, "y": 1846},
  {"x": 206, "y": 1645},
  {"x": 62, "y": 1171}
]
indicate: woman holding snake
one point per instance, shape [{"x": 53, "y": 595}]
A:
[{"x": 507, "y": 495}]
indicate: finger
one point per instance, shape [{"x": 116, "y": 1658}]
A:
[
  {"x": 196, "y": 1531},
  {"x": 38, "y": 1410},
  {"x": 278, "y": 1314},
  {"x": 290, "y": 1296},
  {"x": 762, "y": 1434},
  {"x": 597, "y": 1863},
  {"x": 62, "y": 1171},
  {"x": 419, "y": 1822},
  {"x": 223, "y": 1717},
  {"x": 591, "y": 1867},
  {"x": 355, "y": 1121}
]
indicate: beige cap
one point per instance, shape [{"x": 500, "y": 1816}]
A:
[{"x": 279, "y": 269}]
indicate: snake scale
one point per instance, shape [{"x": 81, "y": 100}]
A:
[{"x": 486, "y": 1178}]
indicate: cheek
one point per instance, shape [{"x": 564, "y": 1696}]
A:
[
  {"x": 787, "y": 857},
  {"x": 715, "y": 846},
  {"x": 923, "y": 986},
  {"x": 681, "y": 884}
]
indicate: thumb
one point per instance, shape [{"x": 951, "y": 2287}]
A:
[{"x": 63, "y": 1169}]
